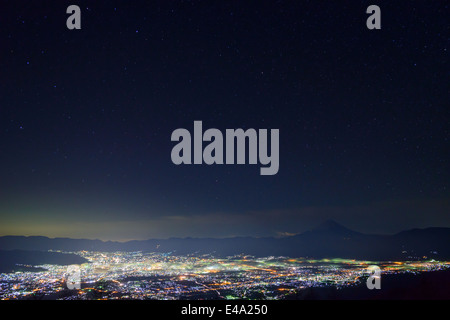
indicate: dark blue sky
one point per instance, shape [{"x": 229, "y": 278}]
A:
[{"x": 86, "y": 116}]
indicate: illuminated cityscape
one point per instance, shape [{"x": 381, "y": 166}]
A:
[
  {"x": 138, "y": 275},
  {"x": 201, "y": 154}
]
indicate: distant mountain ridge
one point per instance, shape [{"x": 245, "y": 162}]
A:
[{"x": 328, "y": 240}]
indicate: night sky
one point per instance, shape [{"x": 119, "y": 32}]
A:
[{"x": 86, "y": 116}]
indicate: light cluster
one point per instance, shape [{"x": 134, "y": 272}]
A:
[{"x": 138, "y": 275}]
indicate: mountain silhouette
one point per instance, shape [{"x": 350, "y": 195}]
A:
[
  {"x": 332, "y": 227},
  {"x": 327, "y": 240}
]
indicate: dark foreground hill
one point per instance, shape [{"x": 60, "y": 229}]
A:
[
  {"x": 407, "y": 286},
  {"x": 328, "y": 240},
  {"x": 21, "y": 260}
]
